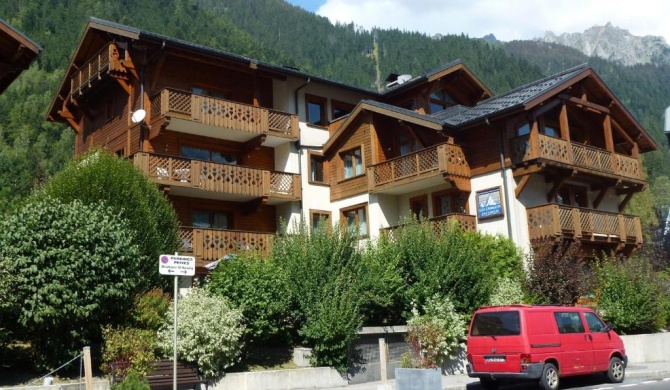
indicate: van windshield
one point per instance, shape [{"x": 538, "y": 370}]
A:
[{"x": 499, "y": 323}]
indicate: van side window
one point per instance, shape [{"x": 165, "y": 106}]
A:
[
  {"x": 595, "y": 324},
  {"x": 569, "y": 322}
]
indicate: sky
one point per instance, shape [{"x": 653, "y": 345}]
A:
[{"x": 506, "y": 19}]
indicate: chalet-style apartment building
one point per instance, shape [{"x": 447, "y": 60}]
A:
[{"x": 238, "y": 145}]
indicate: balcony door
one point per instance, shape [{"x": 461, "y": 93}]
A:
[
  {"x": 195, "y": 153},
  {"x": 573, "y": 195},
  {"x": 206, "y": 219}
]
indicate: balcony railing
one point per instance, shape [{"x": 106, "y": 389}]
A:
[
  {"x": 107, "y": 60},
  {"x": 216, "y": 177},
  {"x": 465, "y": 222},
  {"x": 213, "y": 244},
  {"x": 554, "y": 220},
  {"x": 572, "y": 153},
  {"x": 446, "y": 159},
  {"x": 224, "y": 114}
]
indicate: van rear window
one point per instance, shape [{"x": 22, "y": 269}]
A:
[{"x": 499, "y": 323}]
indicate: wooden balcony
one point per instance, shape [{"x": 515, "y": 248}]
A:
[
  {"x": 243, "y": 182},
  {"x": 211, "y": 116},
  {"x": 106, "y": 61},
  {"x": 466, "y": 222},
  {"x": 572, "y": 154},
  {"x": 427, "y": 167},
  {"x": 212, "y": 244},
  {"x": 554, "y": 220}
]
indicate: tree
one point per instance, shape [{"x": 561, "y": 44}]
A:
[
  {"x": 76, "y": 269},
  {"x": 100, "y": 176}
]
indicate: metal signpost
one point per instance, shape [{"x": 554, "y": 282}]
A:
[{"x": 176, "y": 265}]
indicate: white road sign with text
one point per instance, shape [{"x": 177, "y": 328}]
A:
[{"x": 176, "y": 265}]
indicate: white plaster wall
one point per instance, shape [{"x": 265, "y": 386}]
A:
[
  {"x": 286, "y": 158},
  {"x": 388, "y": 211},
  {"x": 373, "y": 209},
  {"x": 289, "y": 212}
]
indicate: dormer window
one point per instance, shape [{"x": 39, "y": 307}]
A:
[{"x": 440, "y": 100}]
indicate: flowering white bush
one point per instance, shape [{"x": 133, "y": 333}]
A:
[
  {"x": 434, "y": 336},
  {"x": 209, "y": 332},
  {"x": 507, "y": 292}
]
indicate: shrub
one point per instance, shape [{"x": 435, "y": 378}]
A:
[
  {"x": 557, "y": 274},
  {"x": 508, "y": 291},
  {"x": 133, "y": 381},
  {"x": 209, "y": 332},
  {"x": 631, "y": 295},
  {"x": 128, "y": 350},
  {"x": 434, "y": 336},
  {"x": 149, "y": 309},
  {"x": 77, "y": 272},
  {"x": 100, "y": 176},
  {"x": 260, "y": 289}
]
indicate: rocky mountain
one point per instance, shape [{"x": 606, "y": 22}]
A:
[{"x": 615, "y": 44}]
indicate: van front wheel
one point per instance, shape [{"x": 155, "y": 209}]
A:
[
  {"x": 549, "y": 379},
  {"x": 616, "y": 371}
]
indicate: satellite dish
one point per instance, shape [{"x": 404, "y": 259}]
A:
[{"x": 138, "y": 116}]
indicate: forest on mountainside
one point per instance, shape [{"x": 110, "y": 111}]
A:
[{"x": 274, "y": 31}]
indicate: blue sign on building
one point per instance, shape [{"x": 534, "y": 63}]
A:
[{"x": 489, "y": 204}]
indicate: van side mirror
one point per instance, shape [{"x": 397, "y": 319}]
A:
[{"x": 609, "y": 327}]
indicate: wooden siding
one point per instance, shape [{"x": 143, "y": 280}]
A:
[
  {"x": 170, "y": 143},
  {"x": 342, "y": 188},
  {"x": 554, "y": 220},
  {"x": 263, "y": 219},
  {"x": 584, "y": 157},
  {"x": 216, "y": 177},
  {"x": 445, "y": 159},
  {"x": 481, "y": 146},
  {"x": 109, "y": 128}
]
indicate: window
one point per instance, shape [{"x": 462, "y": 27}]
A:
[
  {"x": 339, "y": 109},
  {"x": 208, "y": 155},
  {"x": 208, "y": 92},
  {"x": 353, "y": 162},
  {"x": 594, "y": 323},
  {"x": 449, "y": 202},
  {"x": 356, "y": 219},
  {"x": 211, "y": 219},
  {"x": 573, "y": 195},
  {"x": 569, "y": 322},
  {"x": 523, "y": 129},
  {"x": 406, "y": 144},
  {"x": 439, "y": 100},
  {"x": 317, "y": 168},
  {"x": 499, "y": 323},
  {"x": 319, "y": 217},
  {"x": 316, "y": 110},
  {"x": 419, "y": 206},
  {"x": 551, "y": 129}
]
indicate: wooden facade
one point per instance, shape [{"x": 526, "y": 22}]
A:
[{"x": 215, "y": 140}]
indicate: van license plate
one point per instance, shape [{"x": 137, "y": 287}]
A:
[{"x": 495, "y": 359}]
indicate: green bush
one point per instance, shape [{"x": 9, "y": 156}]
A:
[
  {"x": 557, "y": 274},
  {"x": 631, "y": 295},
  {"x": 149, "y": 309},
  {"x": 209, "y": 332},
  {"x": 76, "y": 269},
  {"x": 133, "y": 381},
  {"x": 435, "y": 335},
  {"x": 100, "y": 176},
  {"x": 128, "y": 350},
  {"x": 508, "y": 291},
  {"x": 260, "y": 289}
]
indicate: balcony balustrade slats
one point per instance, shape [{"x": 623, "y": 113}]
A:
[
  {"x": 555, "y": 220},
  {"x": 92, "y": 69},
  {"x": 560, "y": 150},
  {"x": 445, "y": 157},
  {"x": 216, "y": 177},
  {"x": 224, "y": 113},
  {"x": 213, "y": 244}
]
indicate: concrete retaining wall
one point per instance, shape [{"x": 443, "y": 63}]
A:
[
  {"x": 305, "y": 378},
  {"x": 647, "y": 348},
  {"x": 97, "y": 385}
]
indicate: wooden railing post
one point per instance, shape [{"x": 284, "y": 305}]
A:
[
  {"x": 196, "y": 173},
  {"x": 265, "y": 120},
  {"x": 622, "y": 228},
  {"x": 266, "y": 190},
  {"x": 577, "y": 222},
  {"x": 371, "y": 179},
  {"x": 442, "y": 163},
  {"x": 297, "y": 188}
]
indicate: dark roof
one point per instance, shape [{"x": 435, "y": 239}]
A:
[
  {"x": 17, "y": 52},
  {"x": 423, "y": 77},
  {"x": 517, "y": 97},
  {"x": 403, "y": 111},
  {"x": 231, "y": 56}
]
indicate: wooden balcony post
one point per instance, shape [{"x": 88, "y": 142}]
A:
[
  {"x": 265, "y": 120},
  {"x": 297, "y": 188},
  {"x": 165, "y": 104},
  {"x": 265, "y": 188},
  {"x": 534, "y": 140},
  {"x": 196, "y": 103},
  {"x": 638, "y": 230},
  {"x": 577, "y": 222},
  {"x": 295, "y": 126},
  {"x": 196, "y": 173},
  {"x": 371, "y": 179},
  {"x": 622, "y": 228},
  {"x": 442, "y": 158},
  {"x": 198, "y": 241}
]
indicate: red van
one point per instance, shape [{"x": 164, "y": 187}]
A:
[{"x": 542, "y": 343}]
